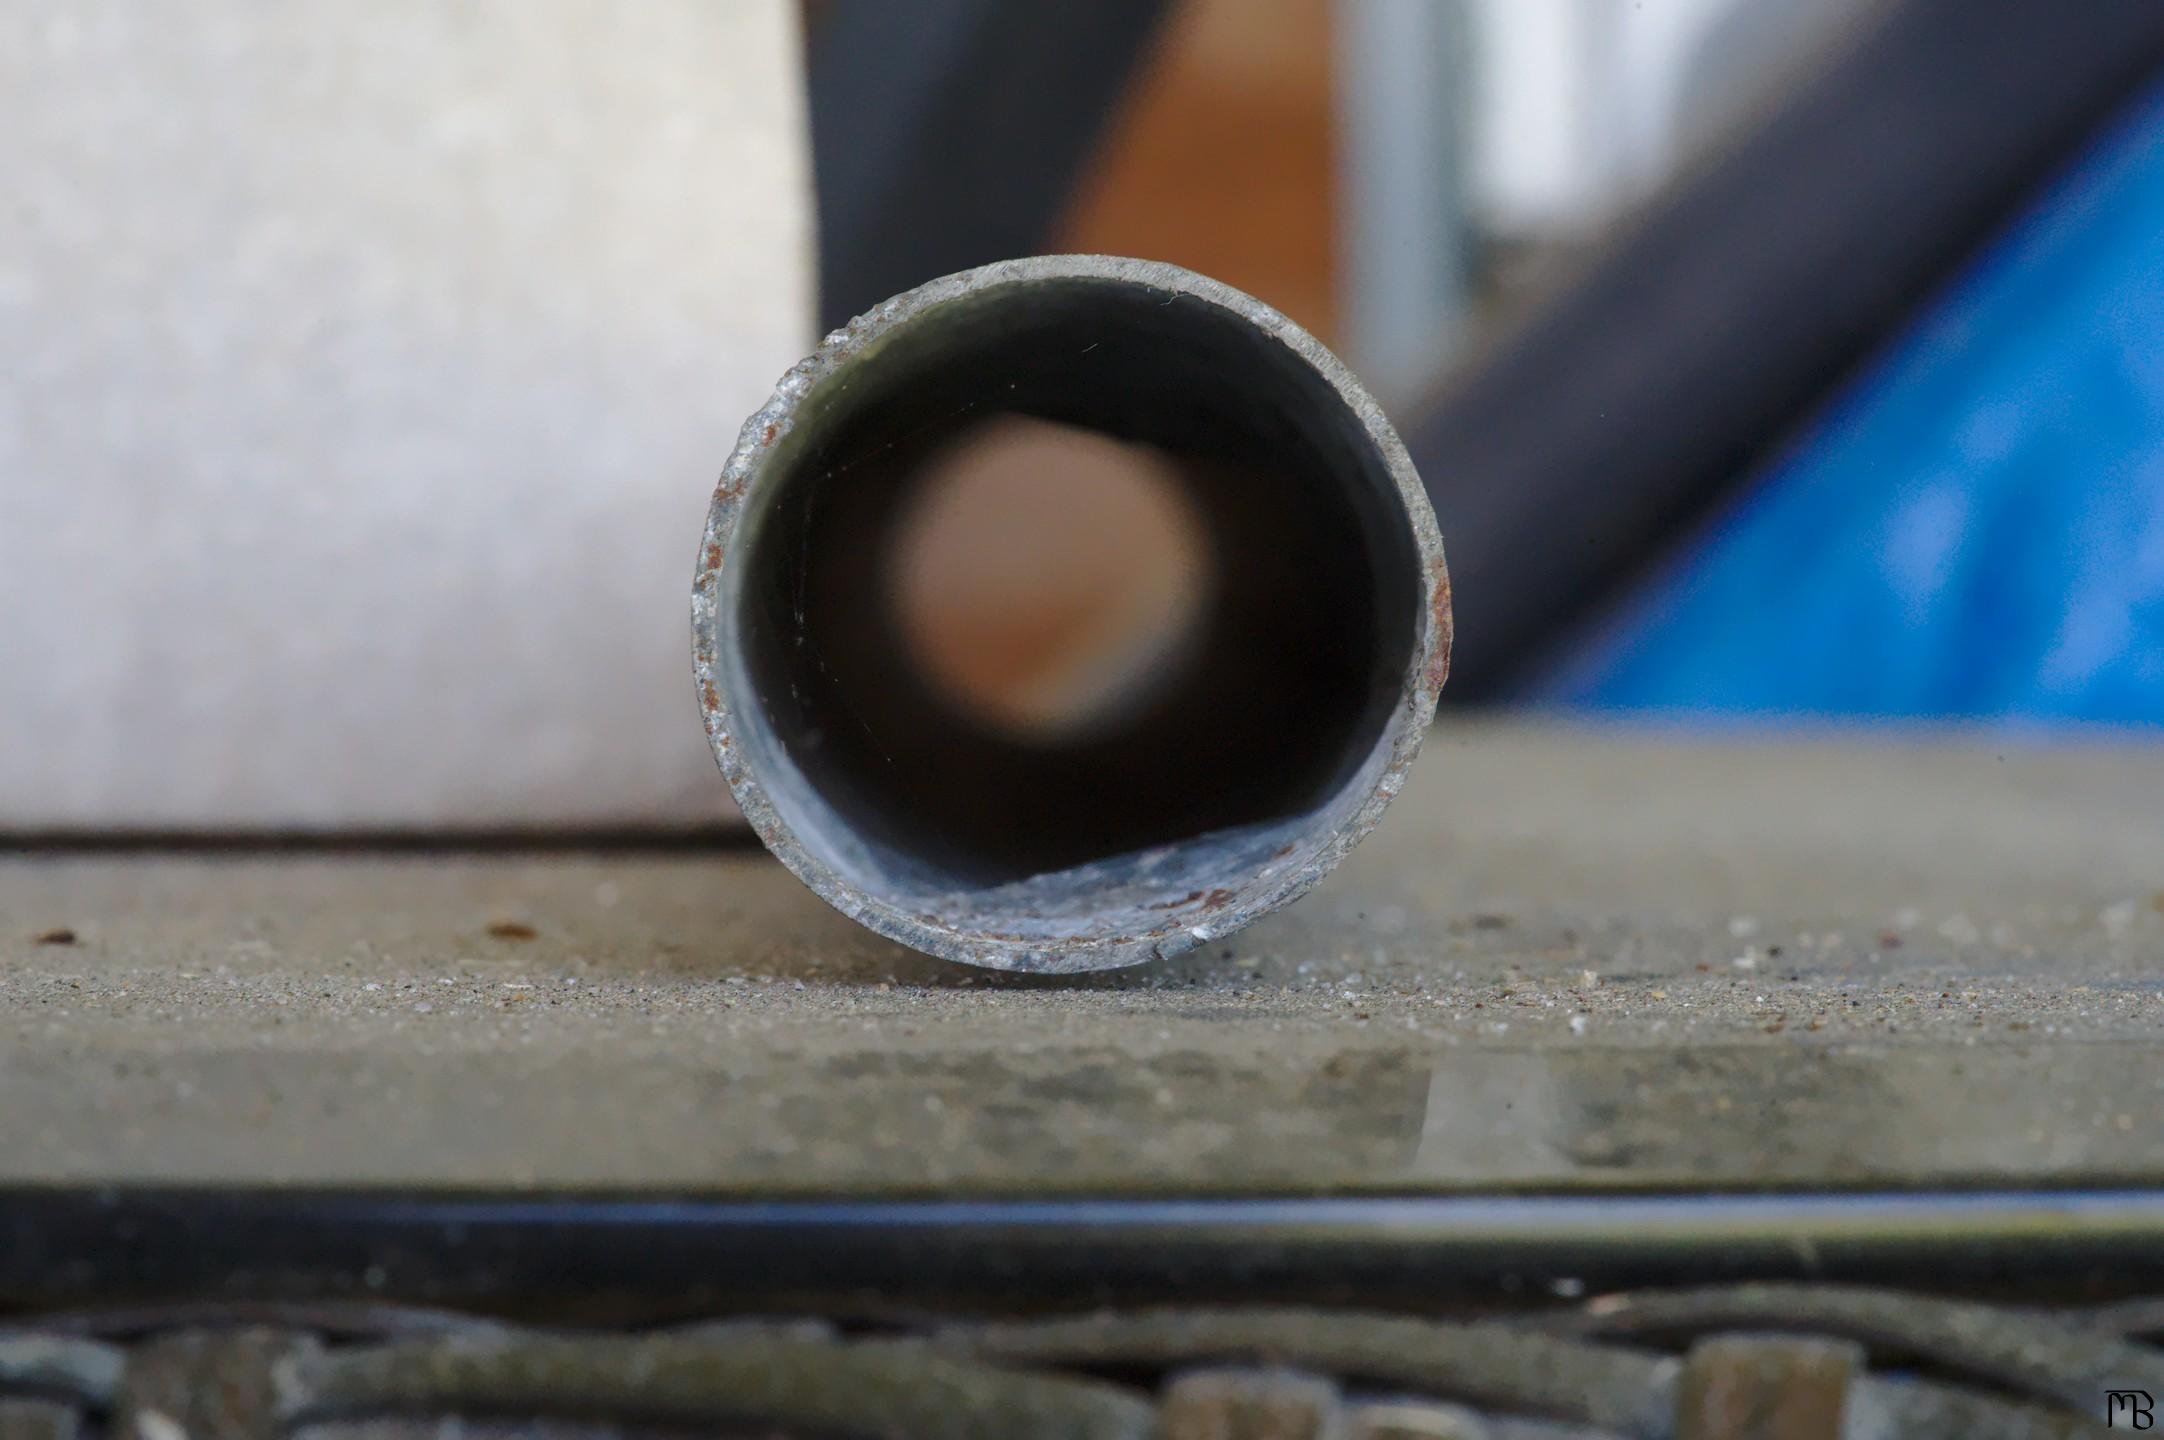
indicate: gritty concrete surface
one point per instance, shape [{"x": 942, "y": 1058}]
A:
[{"x": 1566, "y": 958}]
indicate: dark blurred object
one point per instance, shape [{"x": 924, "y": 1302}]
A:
[
  {"x": 1977, "y": 515},
  {"x": 949, "y": 133},
  {"x": 1734, "y": 304}
]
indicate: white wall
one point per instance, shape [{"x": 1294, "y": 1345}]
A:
[{"x": 364, "y": 372}]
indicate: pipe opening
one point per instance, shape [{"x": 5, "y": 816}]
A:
[
  {"x": 1269, "y": 585},
  {"x": 1049, "y": 582}
]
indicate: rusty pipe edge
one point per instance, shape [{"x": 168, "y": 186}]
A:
[{"x": 1253, "y": 771}]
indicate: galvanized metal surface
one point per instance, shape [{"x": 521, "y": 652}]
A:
[
  {"x": 1180, "y": 1374},
  {"x": 1583, "y": 959},
  {"x": 1124, "y": 906}
]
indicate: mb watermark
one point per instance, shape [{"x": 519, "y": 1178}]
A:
[{"x": 2129, "y": 1410}]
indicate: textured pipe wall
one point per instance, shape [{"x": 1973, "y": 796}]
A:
[{"x": 1257, "y": 756}]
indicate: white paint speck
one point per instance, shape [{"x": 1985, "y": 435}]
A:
[{"x": 157, "y": 1425}]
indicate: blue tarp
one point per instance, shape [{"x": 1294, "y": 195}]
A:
[{"x": 1974, "y": 528}]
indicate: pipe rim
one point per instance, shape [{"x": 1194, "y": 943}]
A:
[{"x": 727, "y": 714}]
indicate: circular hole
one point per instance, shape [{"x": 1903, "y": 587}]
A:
[
  {"x": 1048, "y": 581},
  {"x": 963, "y": 668}
]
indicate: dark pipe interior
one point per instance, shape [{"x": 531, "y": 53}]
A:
[{"x": 1304, "y": 645}]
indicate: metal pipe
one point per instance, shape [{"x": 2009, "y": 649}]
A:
[{"x": 1264, "y": 753}]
